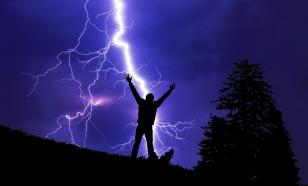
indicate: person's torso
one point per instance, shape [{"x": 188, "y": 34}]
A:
[{"x": 147, "y": 112}]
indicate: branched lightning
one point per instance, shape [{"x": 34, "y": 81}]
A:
[{"x": 103, "y": 67}]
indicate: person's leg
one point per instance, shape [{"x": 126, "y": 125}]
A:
[
  {"x": 138, "y": 138},
  {"x": 149, "y": 138}
]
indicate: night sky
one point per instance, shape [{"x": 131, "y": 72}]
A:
[{"x": 193, "y": 43}]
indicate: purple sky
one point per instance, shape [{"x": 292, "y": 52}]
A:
[{"x": 192, "y": 43}]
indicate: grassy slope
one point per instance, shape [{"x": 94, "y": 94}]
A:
[{"x": 26, "y": 154}]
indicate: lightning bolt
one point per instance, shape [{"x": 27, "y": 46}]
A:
[{"x": 102, "y": 67}]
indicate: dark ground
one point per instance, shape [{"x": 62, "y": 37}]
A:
[
  {"x": 24, "y": 155},
  {"x": 26, "y": 159}
]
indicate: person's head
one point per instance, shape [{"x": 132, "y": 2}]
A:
[{"x": 149, "y": 97}]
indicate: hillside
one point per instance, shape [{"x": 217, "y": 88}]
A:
[{"x": 22, "y": 154}]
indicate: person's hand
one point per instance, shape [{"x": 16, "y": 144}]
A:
[
  {"x": 172, "y": 86},
  {"x": 128, "y": 78}
]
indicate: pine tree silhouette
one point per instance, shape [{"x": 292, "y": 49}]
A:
[
  {"x": 250, "y": 144},
  {"x": 215, "y": 152}
]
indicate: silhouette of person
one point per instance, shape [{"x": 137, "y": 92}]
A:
[{"x": 146, "y": 118}]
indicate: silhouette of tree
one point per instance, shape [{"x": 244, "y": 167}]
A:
[
  {"x": 249, "y": 145},
  {"x": 215, "y": 151}
]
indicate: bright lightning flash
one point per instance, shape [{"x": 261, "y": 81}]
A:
[{"x": 100, "y": 59}]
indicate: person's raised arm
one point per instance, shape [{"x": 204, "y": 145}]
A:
[
  {"x": 132, "y": 88},
  {"x": 164, "y": 97}
]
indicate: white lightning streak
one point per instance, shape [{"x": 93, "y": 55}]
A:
[
  {"x": 100, "y": 58},
  {"x": 119, "y": 42}
]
